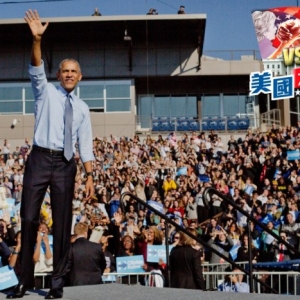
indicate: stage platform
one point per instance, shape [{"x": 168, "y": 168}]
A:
[{"x": 136, "y": 292}]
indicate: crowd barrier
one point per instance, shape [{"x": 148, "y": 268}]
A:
[
  {"x": 284, "y": 282},
  {"x": 287, "y": 283}
]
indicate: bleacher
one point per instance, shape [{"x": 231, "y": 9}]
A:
[{"x": 168, "y": 124}]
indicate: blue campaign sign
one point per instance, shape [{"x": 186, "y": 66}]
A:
[
  {"x": 234, "y": 250},
  {"x": 109, "y": 278},
  {"x": 181, "y": 171},
  {"x": 157, "y": 252},
  {"x": 11, "y": 206},
  {"x": 293, "y": 155},
  {"x": 130, "y": 264},
  {"x": 204, "y": 178},
  {"x": 8, "y": 278},
  {"x": 158, "y": 206}
]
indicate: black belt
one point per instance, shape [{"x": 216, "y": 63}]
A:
[{"x": 49, "y": 151}]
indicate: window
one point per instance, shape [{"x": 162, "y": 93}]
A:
[
  {"x": 223, "y": 105},
  {"x": 170, "y": 106},
  {"x": 11, "y": 99},
  {"x": 211, "y": 105},
  {"x": 233, "y": 105}
]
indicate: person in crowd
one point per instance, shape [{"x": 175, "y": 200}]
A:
[
  {"x": 185, "y": 265},
  {"x": 43, "y": 257},
  {"x": 84, "y": 262},
  {"x": 281, "y": 252},
  {"x": 243, "y": 251},
  {"x": 234, "y": 283},
  {"x": 7, "y": 232},
  {"x": 4, "y": 252},
  {"x": 181, "y": 10},
  {"x": 14, "y": 259},
  {"x": 222, "y": 243},
  {"x": 96, "y": 12},
  {"x": 292, "y": 230}
]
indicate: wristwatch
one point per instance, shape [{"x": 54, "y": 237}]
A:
[{"x": 87, "y": 174}]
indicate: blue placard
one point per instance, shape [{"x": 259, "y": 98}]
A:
[
  {"x": 156, "y": 205},
  {"x": 130, "y": 264},
  {"x": 11, "y": 206},
  {"x": 8, "y": 278},
  {"x": 181, "y": 171},
  {"x": 204, "y": 178},
  {"x": 157, "y": 252},
  {"x": 293, "y": 155},
  {"x": 233, "y": 252},
  {"x": 256, "y": 243},
  {"x": 109, "y": 278}
]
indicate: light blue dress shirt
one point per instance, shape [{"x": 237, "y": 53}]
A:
[{"x": 49, "y": 116}]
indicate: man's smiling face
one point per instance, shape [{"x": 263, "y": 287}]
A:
[{"x": 69, "y": 75}]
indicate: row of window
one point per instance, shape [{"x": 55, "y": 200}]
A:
[
  {"x": 174, "y": 106},
  {"x": 116, "y": 96},
  {"x": 106, "y": 96}
]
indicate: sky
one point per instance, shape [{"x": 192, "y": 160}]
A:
[{"x": 228, "y": 22}]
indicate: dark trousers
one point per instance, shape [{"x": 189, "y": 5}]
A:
[{"x": 41, "y": 171}]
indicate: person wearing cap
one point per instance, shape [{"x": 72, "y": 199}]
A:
[{"x": 181, "y": 10}]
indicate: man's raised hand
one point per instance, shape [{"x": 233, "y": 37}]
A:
[{"x": 33, "y": 20}]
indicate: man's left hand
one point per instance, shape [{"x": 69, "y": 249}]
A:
[{"x": 89, "y": 188}]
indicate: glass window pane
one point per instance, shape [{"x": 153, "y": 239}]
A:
[
  {"x": 191, "y": 106},
  {"x": 91, "y": 91},
  {"x": 118, "y": 105},
  {"x": 11, "y": 107},
  {"x": 29, "y": 107},
  {"x": 178, "y": 106},
  {"x": 28, "y": 93},
  {"x": 231, "y": 105},
  {"x": 242, "y": 104},
  {"x": 234, "y": 104},
  {"x": 94, "y": 103},
  {"x": 162, "y": 106},
  {"x": 117, "y": 91},
  {"x": 145, "y": 111},
  {"x": 10, "y": 93},
  {"x": 210, "y": 105}
]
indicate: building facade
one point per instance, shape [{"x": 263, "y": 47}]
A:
[{"x": 136, "y": 69}]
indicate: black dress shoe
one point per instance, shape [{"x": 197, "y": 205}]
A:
[
  {"x": 54, "y": 294},
  {"x": 18, "y": 292}
]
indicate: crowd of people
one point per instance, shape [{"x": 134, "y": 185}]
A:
[{"x": 254, "y": 170}]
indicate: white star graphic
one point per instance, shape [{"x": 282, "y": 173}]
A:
[
  {"x": 297, "y": 92},
  {"x": 278, "y": 18},
  {"x": 288, "y": 16}
]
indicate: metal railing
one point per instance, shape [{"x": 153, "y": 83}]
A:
[
  {"x": 271, "y": 117},
  {"x": 231, "y": 55}
]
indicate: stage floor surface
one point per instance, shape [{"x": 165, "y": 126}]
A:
[{"x": 136, "y": 292}]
